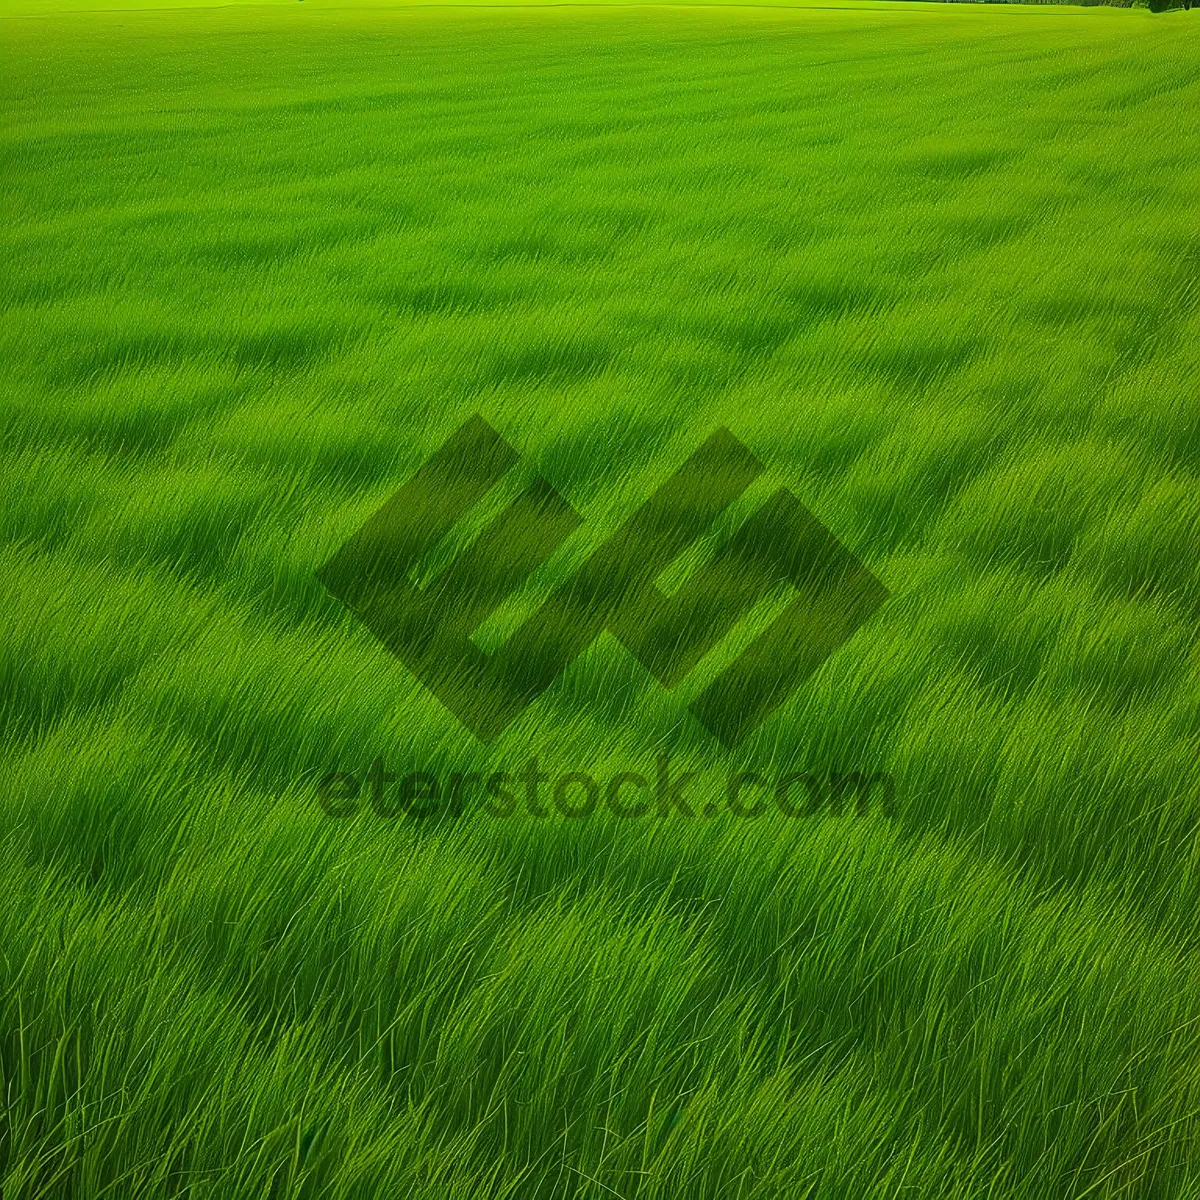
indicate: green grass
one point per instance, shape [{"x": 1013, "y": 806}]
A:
[{"x": 937, "y": 266}]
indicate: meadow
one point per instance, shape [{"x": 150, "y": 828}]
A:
[{"x": 937, "y": 266}]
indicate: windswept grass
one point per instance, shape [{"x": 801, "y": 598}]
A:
[{"x": 937, "y": 266}]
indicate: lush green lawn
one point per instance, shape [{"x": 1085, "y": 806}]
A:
[{"x": 937, "y": 266}]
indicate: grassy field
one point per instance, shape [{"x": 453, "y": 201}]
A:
[{"x": 937, "y": 266}]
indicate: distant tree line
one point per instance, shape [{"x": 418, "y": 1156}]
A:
[{"x": 1152, "y": 5}]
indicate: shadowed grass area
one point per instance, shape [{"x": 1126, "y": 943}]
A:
[{"x": 936, "y": 266}]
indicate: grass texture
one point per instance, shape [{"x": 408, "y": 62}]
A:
[{"x": 937, "y": 266}]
